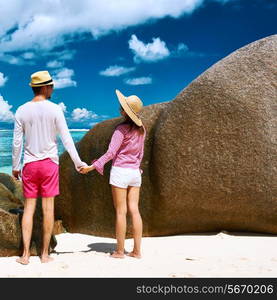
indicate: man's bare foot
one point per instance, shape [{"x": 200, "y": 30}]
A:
[
  {"x": 117, "y": 254},
  {"x": 46, "y": 259},
  {"x": 24, "y": 260},
  {"x": 134, "y": 254}
]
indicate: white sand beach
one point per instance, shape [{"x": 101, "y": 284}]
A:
[{"x": 201, "y": 255}]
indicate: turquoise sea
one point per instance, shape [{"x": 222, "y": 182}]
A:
[{"x": 6, "y": 139}]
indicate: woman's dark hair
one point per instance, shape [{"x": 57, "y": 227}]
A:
[{"x": 133, "y": 125}]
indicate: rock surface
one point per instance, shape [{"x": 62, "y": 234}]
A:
[
  {"x": 210, "y": 156},
  {"x": 13, "y": 185},
  {"x": 216, "y": 148}
]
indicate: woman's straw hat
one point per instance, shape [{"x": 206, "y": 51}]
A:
[
  {"x": 132, "y": 105},
  {"x": 41, "y": 78}
]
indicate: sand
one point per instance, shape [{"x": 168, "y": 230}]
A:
[{"x": 201, "y": 255}]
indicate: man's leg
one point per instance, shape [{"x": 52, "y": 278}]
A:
[
  {"x": 48, "y": 224},
  {"x": 27, "y": 227}
]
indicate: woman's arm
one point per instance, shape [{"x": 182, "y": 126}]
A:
[{"x": 116, "y": 142}]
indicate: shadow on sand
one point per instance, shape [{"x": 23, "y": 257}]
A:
[
  {"x": 97, "y": 247},
  {"x": 102, "y": 247}
]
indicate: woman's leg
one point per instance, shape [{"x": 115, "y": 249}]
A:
[
  {"x": 133, "y": 208},
  {"x": 119, "y": 200}
]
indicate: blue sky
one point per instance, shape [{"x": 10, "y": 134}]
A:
[{"x": 151, "y": 48}]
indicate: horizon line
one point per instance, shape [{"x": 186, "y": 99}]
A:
[{"x": 70, "y": 129}]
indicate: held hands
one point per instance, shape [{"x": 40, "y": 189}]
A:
[
  {"x": 85, "y": 170},
  {"x": 16, "y": 174}
]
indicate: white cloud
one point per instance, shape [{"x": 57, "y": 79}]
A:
[
  {"x": 182, "y": 47},
  {"x": 13, "y": 60},
  {"x": 65, "y": 54},
  {"x": 62, "y": 106},
  {"x": 184, "y": 51},
  {"x": 6, "y": 115},
  {"x": 44, "y": 25},
  {"x": 157, "y": 50},
  {"x": 23, "y": 59},
  {"x": 59, "y": 55},
  {"x": 28, "y": 55},
  {"x": 150, "y": 52},
  {"x": 3, "y": 79},
  {"x": 139, "y": 81},
  {"x": 82, "y": 114},
  {"x": 116, "y": 71},
  {"x": 82, "y": 117},
  {"x": 55, "y": 64},
  {"x": 28, "y": 58},
  {"x": 57, "y": 58},
  {"x": 63, "y": 78}
]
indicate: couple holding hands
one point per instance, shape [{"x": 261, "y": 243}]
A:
[{"x": 39, "y": 121}]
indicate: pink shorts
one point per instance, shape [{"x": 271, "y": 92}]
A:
[{"x": 40, "y": 179}]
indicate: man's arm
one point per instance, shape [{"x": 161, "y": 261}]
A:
[
  {"x": 68, "y": 141},
  {"x": 115, "y": 143},
  {"x": 17, "y": 146}
]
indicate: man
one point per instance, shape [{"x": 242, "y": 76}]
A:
[{"x": 39, "y": 121}]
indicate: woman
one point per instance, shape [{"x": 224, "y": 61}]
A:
[{"x": 126, "y": 150}]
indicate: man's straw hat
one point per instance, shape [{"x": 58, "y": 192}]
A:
[
  {"x": 132, "y": 105},
  {"x": 41, "y": 78}
]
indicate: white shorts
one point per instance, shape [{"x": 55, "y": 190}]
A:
[{"x": 124, "y": 177}]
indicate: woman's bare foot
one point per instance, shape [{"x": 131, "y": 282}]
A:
[
  {"x": 24, "y": 260},
  {"x": 46, "y": 259},
  {"x": 117, "y": 254},
  {"x": 134, "y": 254}
]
